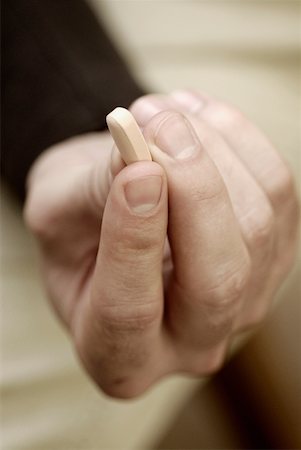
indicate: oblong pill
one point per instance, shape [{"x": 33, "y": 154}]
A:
[{"x": 127, "y": 136}]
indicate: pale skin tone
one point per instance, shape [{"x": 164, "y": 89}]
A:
[{"x": 139, "y": 306}]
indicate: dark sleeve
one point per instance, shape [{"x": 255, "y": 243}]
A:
[{"x": 60, "y": 77}]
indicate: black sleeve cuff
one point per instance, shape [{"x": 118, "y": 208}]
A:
[{"x": 61, "y": 76}]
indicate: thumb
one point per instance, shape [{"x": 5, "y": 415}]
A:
[{"x": 125, "y": 307}]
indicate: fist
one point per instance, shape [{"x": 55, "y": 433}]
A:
[{"x": 154, "y": 267}]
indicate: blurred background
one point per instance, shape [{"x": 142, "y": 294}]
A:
[{"x": 246, "y": 52}]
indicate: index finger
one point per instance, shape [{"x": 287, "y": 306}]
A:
[{"x": 211, "y": 262}]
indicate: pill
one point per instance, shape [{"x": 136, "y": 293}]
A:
[{"x": 127, "y": 136}]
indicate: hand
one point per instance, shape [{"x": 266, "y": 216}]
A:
[
  {"x": 135, "y": 315},
  {"x": 259, "y": 184}
]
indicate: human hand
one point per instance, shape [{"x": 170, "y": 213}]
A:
[
  {"x": 133, "y": 318},
  {"x": 259, "y": 183}
]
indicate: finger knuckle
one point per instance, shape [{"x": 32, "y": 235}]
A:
[
  {"x": 260, "y": 227},
  {"x": 103, "y": 369},
  {"x": 124, "y": 388},
  {"x": 253, "y": 315},
  {"x": 214, "y": 363},
  {"x": 142, "y": 99},
  {"x": 285, "y": 259},
  {"x": 227, "y": 116},
  {"x": 37, "y": 218},
  {"x": 113, "y": 365},
  {"x": 211, "y": 363},
  {"x": 148, "y": 239},
  {"x": 129, "y": 319},
  {"x": 138, "y": 238},
  {"x": 211, "y": 191},
  {"x": 283, "y": 188},
  {"x": 258, "y": 314},
  {"x": 231, "y": 288}
]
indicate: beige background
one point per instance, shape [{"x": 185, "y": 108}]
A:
[{"x": 244, "y": 51}]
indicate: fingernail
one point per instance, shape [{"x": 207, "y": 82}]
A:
[
  {"x": 143, "y": 194},
  {"x": 176, "y": 137},
  {"x": 189, "y": 101}
]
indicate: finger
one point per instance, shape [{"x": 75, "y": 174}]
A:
[
  {"x": 266, "y": 167},
  {"x": 263, "y": 229},
  {"x": 261, "y": 160},
  {"x": 118, "y": 327},
  {"x": 251, "y": 206},
  {"x": 71, "y": 194},
  {"x": 147, "y": 106},
  {"x": 255, "y": 216},
  {"x": 252, "y": 147},
  {"x": 211, "y": 263}
]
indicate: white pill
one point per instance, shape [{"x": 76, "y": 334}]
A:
[{"x": 127, "y": 136}]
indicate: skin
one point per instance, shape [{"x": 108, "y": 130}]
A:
[{"x": 156, "y": 266}]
